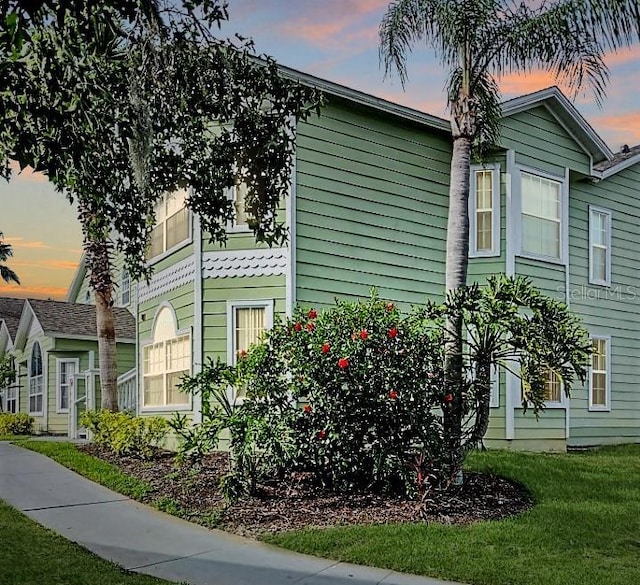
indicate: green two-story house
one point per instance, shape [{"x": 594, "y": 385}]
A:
[{"x": 367, "y": 208}]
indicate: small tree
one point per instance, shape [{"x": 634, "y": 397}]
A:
[
  {"x": 356, "y": 395},
  {"x": 6, "y": 252}
]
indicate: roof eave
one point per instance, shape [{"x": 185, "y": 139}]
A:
[
  {"x": 567, "y": 113},
  {"x": 78, "y": 279},
  {"x": 365, "y": 99}
]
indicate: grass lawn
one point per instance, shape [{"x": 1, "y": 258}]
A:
[
  {"x": 33, "y": 555},
  {"x": 90, "y": 467},
  {"x": 584, "y": 530}
]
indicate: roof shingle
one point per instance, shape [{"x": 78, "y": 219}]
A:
[{"x": 10, "y": 312}]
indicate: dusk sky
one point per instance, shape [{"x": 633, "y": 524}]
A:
[{"x": 334, "y": 39}]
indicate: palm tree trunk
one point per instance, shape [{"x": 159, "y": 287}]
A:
[
  {"x": 457, "y": 261},
  {"x": 98, "y": 256},
  {"x": 107, "y": 356}
]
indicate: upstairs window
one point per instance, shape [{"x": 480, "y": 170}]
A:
[
  {"x": 36, "y": 380},
  {"x": 541, "y": 216},
  {"x": 484, "y": 212},
  {"x": 599, "y": 246},
  {"x": 172, "y": 223},
  {"x": 125, "y": 289}
]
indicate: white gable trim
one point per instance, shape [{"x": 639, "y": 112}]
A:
[
  {"x": 239, "y": 263},
  {"x": 168, "y": 279}
]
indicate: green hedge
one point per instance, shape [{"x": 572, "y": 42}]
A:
[{"x": 15, "y": 424}]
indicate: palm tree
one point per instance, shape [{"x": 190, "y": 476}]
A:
[
  {"x": 477, "y": 41},
  {"x": 6, "y": 252}
]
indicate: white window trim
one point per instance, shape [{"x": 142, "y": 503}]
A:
[
  {"x": 607, "y": 214},
  {"x": 494, "y": 399},
  {"x": 186, "y": 407},
  {"x": 266, "y": 304},
  {"x": 59, "y": 361},
  {"x": 123, "y": 288},
  {"x": 43, "y": 357},
  {"x": 495, "y": 212},
  {"x": 562, "y": 403},
  {"x": 188, "y": 240},
  {"x": 564, "y": 219},
  {"x": 607, "y": 406},
  {"x": 232, "y": 226}
]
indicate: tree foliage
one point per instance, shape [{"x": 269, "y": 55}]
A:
[
  {"x": 356, "y": 395},
  {"x": 6, "y": 252}
]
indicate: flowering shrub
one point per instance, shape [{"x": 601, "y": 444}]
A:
[{"x": 359, "y": 389}]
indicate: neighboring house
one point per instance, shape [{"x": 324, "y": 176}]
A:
[
  {"x": 10, "y": 313},
  {"x": 368, "y": 208},
  {"x": 55, "y": 350}
]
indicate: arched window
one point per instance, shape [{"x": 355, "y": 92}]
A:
[
  {"x": 36, "y": 380},
  {"x": 165, "y": 361}
]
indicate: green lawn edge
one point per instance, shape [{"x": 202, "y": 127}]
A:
[
  {"x": 35, "y": 555},
  {"x": 583, "y": 530},
  {"x": 92, "y": 468}
]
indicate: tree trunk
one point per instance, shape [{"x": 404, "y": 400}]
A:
[
  {"x": 482, "y": 404},
  {"x": 98, "y": 256},
  {"x": 457, "y": 261},
  {"x": 105, "y": 323}
]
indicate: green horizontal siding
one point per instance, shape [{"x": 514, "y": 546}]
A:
[
  {"x": 215, "y": 294},
  {"x": 614, "y": 310},
  {"x": 372, "y": 199}
]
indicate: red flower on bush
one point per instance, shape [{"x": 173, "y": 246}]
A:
[
  {"x": 393, "y": 395},
  {"x": 298, "y": 326},
  {"x": 393, "y": 332},
  {"x": 242, "y": 354},
  {"x": 448, "y": 398},
  {"x": 390, "y": 307},
  {"x": 364, "y": 334},
  {"x": 343, "y": 363},
  {"x": 310, "y": 327},
  {"x": 431, "y": 375},
  {"x": 326, "y": 348},
  {"x": 312, "y": 314},
  {"x": 307, "y": 408},
  {"x": 322, "y": 434}
]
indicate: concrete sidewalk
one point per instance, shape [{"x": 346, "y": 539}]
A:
[{"x": 145, "y": 540}]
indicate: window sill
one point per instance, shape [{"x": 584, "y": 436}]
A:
[
  {"x": 555, "y": 405},
  {"x": 599, "y": 409},
  {"x": 35, "y": 413},
  {"x": 166, "y": 409},
  {"x": 62, "y": 411},
  {"x": 167, "y": 253},
  {"x": 602, "y": 283},
  {"x": 486, "y": 254},
  {"x": 546, "y": 259},
  {"x": 239, "y": 229}
]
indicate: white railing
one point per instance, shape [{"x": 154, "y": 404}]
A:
[{"x": 128, "y": 391}]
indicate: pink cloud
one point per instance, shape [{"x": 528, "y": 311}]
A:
[
  {"x": 22, "y": 243},
  {"x": 27, "y": 174},
  {"x": 625, "y": 128},
  {"x": 38, "y": 292}
]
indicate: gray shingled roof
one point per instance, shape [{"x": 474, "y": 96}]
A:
[
  {"x": 10, "y": 312},
  {"x": 62, "y": 318},
  {"x": 618, "y": 158}
]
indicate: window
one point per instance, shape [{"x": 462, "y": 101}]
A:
[
  {"x": 125, "y": 288},
  {"x": 238, "y": 195},
  {"x": 552, "y": 387},
  {"x": 36, "y": 380},
  {"x": 66, "y": 371},
  {"x": 11, "y": 403},
  {"x": 599, "y": 246},
  {"x": 165, "y": 361},
  {"x": 541, "y": 216},
  {"x": 172, "y": 223},
  {"x": 600, "y": 374},
  {"x": 246, "y": 321},
  {"x": 484, "y": 212}
]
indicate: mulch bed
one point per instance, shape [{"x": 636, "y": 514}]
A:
[{"x": 294, "y": 505}]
